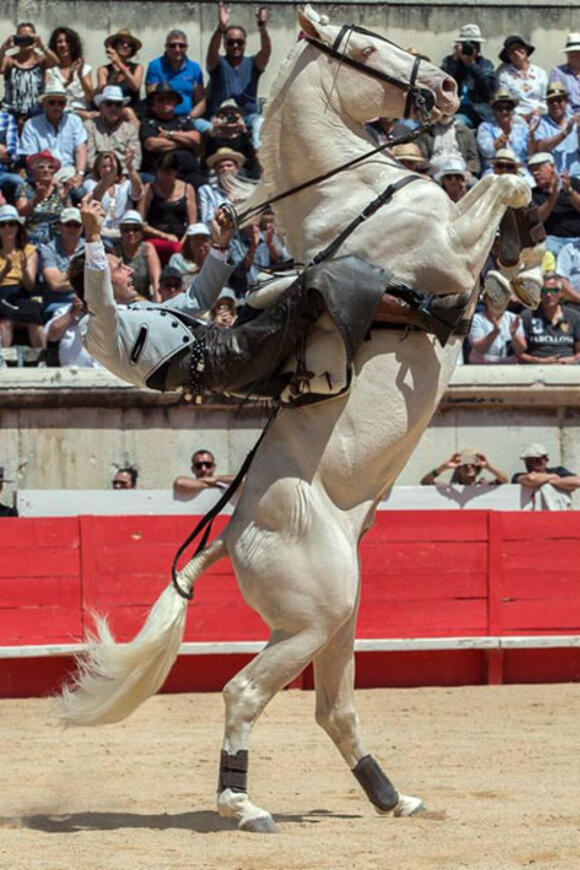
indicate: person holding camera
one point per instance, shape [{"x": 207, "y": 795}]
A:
[
  {"x": 467, "y": 466},
  {"x": 229, "y": 130},
  {"x": 474, "y": 74},
  {"x": 234, "y": 75},
  {"x": 24, "y": 71}
]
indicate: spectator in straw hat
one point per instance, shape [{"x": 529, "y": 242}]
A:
[
  {"x": 474, "y": 74},
  {"x": 224, "y": 162},
  {"x": 505, "y": 162},
  {"x": 62, "y": 133},
  {"x": 121, "y": 47},
  {"x": 525, "y": 81},
  {"x": 411, "y": 156},
  {"x": 506, "y": 129},
  {"x": 569, "y": 73},
  {"x": 5, "y": 510},
  {"x": 558, "y": 131}
]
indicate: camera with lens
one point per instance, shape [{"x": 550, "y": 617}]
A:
[
  {"x": 230, "y": 117},
  {"x": 23, "y": 40},
  {"x": 469, "y": 48}
]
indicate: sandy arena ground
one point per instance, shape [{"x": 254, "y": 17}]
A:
[{"x": 497, "y": 767}]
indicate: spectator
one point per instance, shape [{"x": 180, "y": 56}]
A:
[
  {"x": 122, "y": 71},
  {"x": 526, "y": 82},
  {"x": 224, "y": 312},
  {"x": 168, "y": 207},
  {"x": 411, "y": 156},
  {"x": 108, "y": 132},
  {"x": 5, "y": 510},
  {"x": 125, "y": 478},
  {"x": 163, "y": 132},
  {"x": 467, "y": 466},
  {"x": 453, "y": 178},
  {"x": 558, "y": 201},
  {"x": 450, "y": 139},
  {"x": 474, "y": 75},
  {"x": 115, "y": 192},
  {"x": 539, "y": 478},
  {"x": 495, "y": 334},
  {"x": 225, "y": 162},
  {"x": 63, "y": 329},
  {"x": 170, "y": 283},
  {"x": 72, "y": 75},
  {"x": 43, "y": 198},
  {"x": 505, "y": 130},
  {"x": 552, "y": 333},
  {"x": 234, "y": 75},
  {"x": 55, "y": 259},
  {"x": 18, "y": 273},
  {"x": 558, "y": 132},
  {"x": 141, "y": 256},
  {"x": 203, "y": 465},
  {"x": 184, "y": 76},
  {"x": 569, "y": 73},
  {"x": 62, "y": 133},
  {"x": 10, "y": 181},
  {"x": 271, "y": 253},
  {"x": 194, "y": 249},
  {"x": 568, "y": 263},
  {"x": 24, "y": 71},
  {"x": 229, "y": 130},
  {"x": 505, "y": 162}
]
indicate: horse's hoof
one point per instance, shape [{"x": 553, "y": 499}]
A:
[
  {"x": 408, "y": 806},
  {"x": 260, "y": 825}
]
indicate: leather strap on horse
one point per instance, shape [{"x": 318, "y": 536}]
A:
[{"x": 206, "y": 521}]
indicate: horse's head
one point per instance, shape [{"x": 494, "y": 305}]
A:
[{"x": 368, "y": 75}]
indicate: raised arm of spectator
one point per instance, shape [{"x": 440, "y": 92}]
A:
[
  {"x": 263, "y": 56},
  {"x": 453, "y": 462},
  {"x": 213, "y": 49},
  {"x": 153, "y": 270},
  {"x": 49, "y": 58},
  {"x": 484, "y": 463},
  {"x": 6, "y": 60}
]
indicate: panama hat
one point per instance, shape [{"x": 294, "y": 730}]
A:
[
  {"x": 534, "y": 451},
  {"x": 556, "y": 89},
  {"x": 9, "y": 213},
  {"x": 470, "y": 33},
  {"x": 502, "y": 95},
  {"x": 225, "y": 154},
  {"x": 113, "y": 93},
  {"x": 53, "y": 90},
  {"x": 572, "y": 42}
]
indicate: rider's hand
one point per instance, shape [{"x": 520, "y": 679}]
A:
[{"x": 222, "y": 228}]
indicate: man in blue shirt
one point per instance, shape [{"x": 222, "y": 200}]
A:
[
  {"x": 184, "y": 76},
  {"x": 234, "y": 75}
]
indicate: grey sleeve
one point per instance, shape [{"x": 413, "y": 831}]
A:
[{"x": 205, "y": 287}]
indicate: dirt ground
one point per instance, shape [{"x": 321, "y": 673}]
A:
[{"x": 497, "y": 767}]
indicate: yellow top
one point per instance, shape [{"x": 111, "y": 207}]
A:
[{"x": 14, "y": 276}]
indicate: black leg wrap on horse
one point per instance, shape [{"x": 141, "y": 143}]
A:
[
  {"x": 376, "y": 784},
  {"x": 233, "y": 771}
]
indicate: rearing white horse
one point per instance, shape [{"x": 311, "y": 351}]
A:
[{"x": 312, "y": 490}]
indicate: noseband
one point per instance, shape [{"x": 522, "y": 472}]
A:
[{"x": 421, "y": 99}]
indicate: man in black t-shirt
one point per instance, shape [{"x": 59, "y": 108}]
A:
[
  {"x": 537, "y": 473},
  {"x": 558, "y": 201},
  {"x": 6, "y": 511},
  {"x": 552, "y": 333},
  {"x": 163, "y": 131}
]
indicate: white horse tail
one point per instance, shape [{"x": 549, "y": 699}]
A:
[{"x": 113, "y": 679}]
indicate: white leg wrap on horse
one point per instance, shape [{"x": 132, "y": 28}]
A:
[{"x": 376, "y": 784}]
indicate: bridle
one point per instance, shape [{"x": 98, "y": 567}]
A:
[{"x": 421, "y": 99}]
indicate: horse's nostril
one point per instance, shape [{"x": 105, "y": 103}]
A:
[{"x": 448, "y": 85}]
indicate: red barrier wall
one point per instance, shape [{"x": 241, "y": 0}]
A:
[{"x": 425, "y": 574}]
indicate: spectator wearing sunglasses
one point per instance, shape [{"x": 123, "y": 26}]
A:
[
  {"x": 121, "y": 47},
  {"x": 552, "y": 333},
  {"x": 235, "y": 75},
  {"x": 109, "y": 132},
  {"x": 507, "y": 130},
  {"x": 558, "y": 131},
  {"x": 505, "y": 162},
  {"x": 203, "y": 465},
  {"x": 184, "y": 75},
  {"x": 453, "y": 178},
  {"x": 60, "y": 132}
]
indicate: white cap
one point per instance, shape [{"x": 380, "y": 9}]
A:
[
  {"x": 452, "y": 166},
  {"x": 540, "y": 157},
  {"x": 198, "y": 229},
  {"x": 113, "y": 93},
  {"x": 534, "y": 451},
  {"x": 70, "y": 214}
]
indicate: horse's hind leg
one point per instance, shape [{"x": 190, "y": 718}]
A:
[{"x": 336, "y": 713}]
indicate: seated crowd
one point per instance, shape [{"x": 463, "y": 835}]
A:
[{"x": 157, "y": 146}]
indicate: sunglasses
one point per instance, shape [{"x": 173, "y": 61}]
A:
[
  {"x": 233, "y": 42},
  {"x": 110, "y": 103},
  {"x": 546, "y": 291},
  {"x": 124, "y": 42},
  {"x": 131, "y": 229},
  {"x": 199, "y": 465},
  {"x": 9, "y": 224},
  {"x": 177, "y": 44},
  {"x": 505, "y": 167},
  {"x": 55, "y": 103}
]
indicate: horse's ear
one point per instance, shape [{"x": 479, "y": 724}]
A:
[{"x": 310, "y": 22}]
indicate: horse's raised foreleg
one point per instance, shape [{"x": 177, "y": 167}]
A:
[{"x": 336, "y": 714}]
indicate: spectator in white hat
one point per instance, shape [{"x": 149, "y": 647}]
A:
[
  {"x": 194, "y": 249},
  {"x": 537, "y": 473},
  {"x": 109, "y": 132},
  {"x": 55, "y": 259},
  {"x": 495, "y": 334},
  {"x": 474, "y": 74},
  {"x": 558, "y": 201},
  {"x": 60, "y": 132},
  {"x": 140, "y": 255},
  {"x": 569, "y": 73},
  {"x": 453, "y": 178}
]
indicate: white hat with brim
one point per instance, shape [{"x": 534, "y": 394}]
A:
[
  {"x": 113, "y": 93},
  {"x": 131, "y": 218},
  {"x": 9, "y": 213},
  {"x": 470, "y": 33},
  {"x": 507, "y": 155},
  {"x": 198, "y": 229},
  {"x": 453, "y": 166},
  {"x": 541, "y": 157},
  {"x": 53, "y": 91},
  {"x": 534, "y": 451},
  {"x": 225, "y": 154},
  {"x": 572, "y": 42},
  {"x": 70, "y": 214}
]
